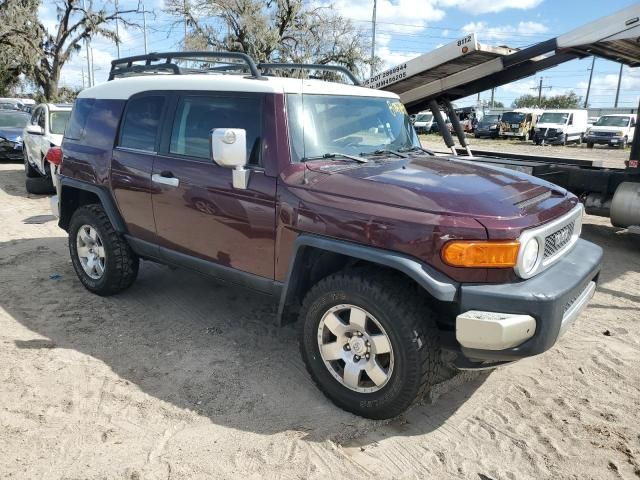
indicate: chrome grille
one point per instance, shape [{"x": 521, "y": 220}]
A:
[{"x": 557, "y": 240}]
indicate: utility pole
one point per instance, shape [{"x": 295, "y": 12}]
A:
[
  {"x": 88, "y": 47},
  {"x": 618, "y": 89},
  {"x": 117, "y": 32},
  {"x": 184, "y": 40},
  {"x": 493, "y": 92},
  {"x": 586, "y": 98},
  {"x": 144, "y": 27},
  {"x": 539, "y": 88},
  {"x": 373, "y": 37},
  {"x": 82, "y": 73}
]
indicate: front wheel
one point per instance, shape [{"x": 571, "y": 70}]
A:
[
  {"x": 101, "y": 257},
  {"x": 369, "y": 342}
]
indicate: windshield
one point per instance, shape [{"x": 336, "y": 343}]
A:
[
  {"x": 612, "y": 122},
  {"x": 513, "y": 117},
  {"x": 57, "y": 122},
  {"x": 490, "y": 119},
  {"x": 13, "y": 120},
  {"x": 554, "y": 117},
  {"x": 424, "y": 117},
  {"x": 320, "y": 124}
]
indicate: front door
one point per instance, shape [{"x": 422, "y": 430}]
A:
[{"x": 197, "y": 210}]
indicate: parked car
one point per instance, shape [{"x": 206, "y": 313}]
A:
[
  {"x": 558, "y": 127},
  {"x": 489, "y": 126},
  {"x": 319, "y": 194},
  {"x": 424, "y": 122},
  {"x": 519, "y": 123},
  {"x": 613, "y": 130},
  {"x": 44, "y": 131},
  {"x": 12, "y": 122}
]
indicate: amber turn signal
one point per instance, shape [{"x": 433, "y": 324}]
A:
[{"x": 480, "y": 254}]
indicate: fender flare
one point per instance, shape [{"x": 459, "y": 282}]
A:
[
  {"x": 103, "y": 195},
  {"x": 437, "y": 284}
]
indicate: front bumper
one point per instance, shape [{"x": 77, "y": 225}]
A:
[
  {"x": 602, "y": 140},
  {"x": 10, "y": 150},
  {"x": 550, "y": 138},
  {"x": 553, "y": 299}
]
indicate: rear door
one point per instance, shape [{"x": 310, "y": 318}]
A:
[
  {"x": 132, "y": 162},
  {"x": 197, "y": 210}
]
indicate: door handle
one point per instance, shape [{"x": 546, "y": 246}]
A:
[{"x": 165, "y": 179}]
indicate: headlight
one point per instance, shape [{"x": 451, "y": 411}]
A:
[
  {"x": 588, "y": 131},
  {"x": 619, "y": 134},
  {"x": 530, "y": 255},
  {"x": 18, "y": 139},
  {"x": 560, "y": 130},
  {"x": 493, "y": 127}
]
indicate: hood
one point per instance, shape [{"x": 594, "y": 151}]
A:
[
  {"x": 594, "y": 128},
  {"x": 443, "y": 185},
  {"x": 11, "y": 133},
  {"x": 551, "y": 125}
]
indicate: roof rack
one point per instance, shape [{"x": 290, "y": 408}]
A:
[
  {"x": 124, "y": 66},
  {"x": 267, "y": 67}
]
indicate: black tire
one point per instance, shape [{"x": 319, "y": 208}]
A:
[
  {"x": 121, "y": 264},
  {"x": 29, "y": 171},
  {"x": 590, "y": 144},
  {"x": 410, "y": 327},
  {"x": 580, "y": 140},
  {"x": 39, "y": 185},
  {"x": 564, "y": 140}
]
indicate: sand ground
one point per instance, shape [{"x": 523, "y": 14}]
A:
[{"x": 180, "y": 377}]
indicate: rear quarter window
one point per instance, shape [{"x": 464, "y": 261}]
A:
[{"x": 78, "y": 120}]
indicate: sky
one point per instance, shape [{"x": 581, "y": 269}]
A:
[{"x": 406, "y": 29}]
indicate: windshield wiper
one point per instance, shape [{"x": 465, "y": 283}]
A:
[
  {"x": 329, "y": 156},
  {"x": 415, "y": 149},
  {"x": 385, "y": 151}
]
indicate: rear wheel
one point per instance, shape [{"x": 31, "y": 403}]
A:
[
  {"x": 35, "y": 182},
  {"x": 101, "y": 257},
  {"x": 369, "y": 342}
]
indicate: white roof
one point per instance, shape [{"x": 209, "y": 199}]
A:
[
  {"x": 618, "y": 115},
  {"x": 123, "y": 88},
  {"x": 58, "y": 107}
]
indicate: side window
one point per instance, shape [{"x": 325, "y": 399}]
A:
[
  {"x": 196, "y": 116},
  {"x": 41, "y": 116},
  {"x": 79, "y": 114},
  {"x": 570, "y": 122},
  {"x": 34, "y": 117},
  {"x": 139, "y": 128}
]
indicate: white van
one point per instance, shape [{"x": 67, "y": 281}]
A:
[
  {"x": 612, "y": 130},
  {"x": 424, "y": 122},
  {"x": 557, "y": 127}
]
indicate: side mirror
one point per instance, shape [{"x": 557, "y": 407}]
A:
[
  {"x": 34, "y": 129},
  {"x": 229, "y": 149}
]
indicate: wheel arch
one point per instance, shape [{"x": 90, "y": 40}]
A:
[
  {"x": 316, "y": 257},
  {"x": 75, "y": 193}
]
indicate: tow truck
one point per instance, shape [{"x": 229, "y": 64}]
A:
[{"x": 466, "y": 67}]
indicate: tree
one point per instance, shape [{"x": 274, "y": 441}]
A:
[
  {"x": 570, "y": 100},
  {"x": 496, "y": 104},
  {"x": 20, "y": 34},
  {"x": 274, "y": 31},
  {"x": 75, "y": 24}
]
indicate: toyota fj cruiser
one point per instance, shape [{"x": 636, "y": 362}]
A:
[{"x": 319, "y": 193}]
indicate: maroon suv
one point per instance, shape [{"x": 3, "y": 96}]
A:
[{"x": 319, "y": 193}]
